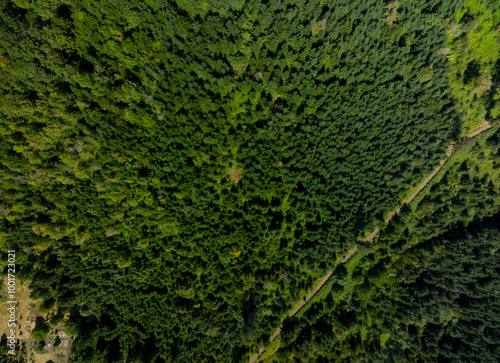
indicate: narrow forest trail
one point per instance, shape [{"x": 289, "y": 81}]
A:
[
  {"x": 484, "y": 127},
  {"x": 312, "y": 293}
]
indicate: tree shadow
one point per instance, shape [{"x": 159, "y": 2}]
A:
[
  {"x": 40, "y": 321},
  {"x": 472, "y": 72}
]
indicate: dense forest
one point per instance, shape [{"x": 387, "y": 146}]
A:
[
  {"x": 426, "y": 289},
  {"x": 441, "y": 305},
  {"x": 179, "y": 174}
]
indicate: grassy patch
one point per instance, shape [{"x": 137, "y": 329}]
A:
[{"x": 350, "y": 266}]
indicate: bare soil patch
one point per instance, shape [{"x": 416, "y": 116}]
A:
[{"x": 235, "y": 175}]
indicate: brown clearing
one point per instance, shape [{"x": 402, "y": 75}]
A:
[
  {"x": 26, "y": 309},
  {"x": 319, "y": 27},
  {"x": 392, "y": 12},
  {"x": 235, "y": 175}
]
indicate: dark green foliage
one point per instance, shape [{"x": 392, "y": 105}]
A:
[
  {"x": 183, "y": 171},
  {"x": 442, "y": 306},
  {"x": 40, "y": 331},
  {"x": 430, "y": 279},
  {"x": 46, "y": 306},
  {"x": 6, "y": 357}
]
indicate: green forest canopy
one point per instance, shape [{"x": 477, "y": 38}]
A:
[
  {"x": 441, "y": 305},
  {"x": 425, "y": 289},
  {"x": 186, "y": 171}
]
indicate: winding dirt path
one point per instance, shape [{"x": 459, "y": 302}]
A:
[{"x": 484, "y": 126}]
